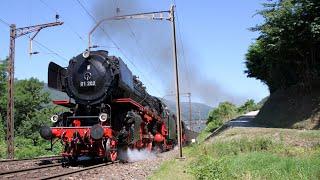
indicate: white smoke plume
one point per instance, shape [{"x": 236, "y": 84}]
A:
[{"x": 134, "y": 155}]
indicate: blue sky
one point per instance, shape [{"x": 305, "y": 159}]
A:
[{"x": 214, "y": 35}]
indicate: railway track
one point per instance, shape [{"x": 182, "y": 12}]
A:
[
  {"x": 27, "y": 173},
  {"x": 71, "y": 173},
  {"x": 29, "y": 159},
  {"x": 15, "y": 165},
  {"x": 43, "y": 168}
]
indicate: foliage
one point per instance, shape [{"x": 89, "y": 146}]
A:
[
  {"x": 225, "y": 111},
  {"x": 24, "y": 148},
  {"x": 287, "y": 50},
  {"x": 3, "y": 89},
  {"x": 248, "y": 106},
  {"x": 2, "y": 133},
  {"x": 207, "y": 168},
  {"x": 30, "y": 126},
  {"x": 259, "y": 157},
  {"x": 31, "y": 111},
  {"x": 29, "y": 99},
  {"x": 3, "y": 100}
]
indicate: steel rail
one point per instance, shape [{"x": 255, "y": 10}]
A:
[
  {"x": 63, "y": 174},
  {"x": 31, "y": 159},
  {"x": 29, "y": 169}
]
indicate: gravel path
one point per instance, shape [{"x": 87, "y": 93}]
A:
[{"x": 132, "y": 170}]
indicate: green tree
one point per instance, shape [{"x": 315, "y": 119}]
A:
[
  {"x": 3, "y": 88},
  {"x": 29, "y": 100},
  {"x": 287, "y": 52},
  {"x": 225, "y": 111},
  {"x": 248, "y": 106},
  {"x": 2, "y": 133},
  {"x": 30, "y": 126}
]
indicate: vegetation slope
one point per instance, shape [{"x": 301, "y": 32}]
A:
[
  {"x": 286, "y": 57},
  {"x": 249, "y": 153}
]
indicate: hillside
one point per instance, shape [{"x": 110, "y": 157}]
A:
[
  {"x": 55, "y": 94},
  {"x": 292, "y": 108},
  {"x": 249, "y": 153},
  {"x": 196, "y": 107}
]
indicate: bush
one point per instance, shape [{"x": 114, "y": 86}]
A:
[
  {"x": 207, "y": 168},
  {"x": 225, "y": 111},
  {"x": 26, "y": 149},
  {"x": 253, "y": 159},
  {"x": 2, "y": 132}
]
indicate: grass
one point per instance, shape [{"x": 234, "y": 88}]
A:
[
  {"x": 208, "y": 130},
  {"x": 173, "y": 169},
  {"x": 247, "y": 153},
  {"x": 24, "y": 148}
]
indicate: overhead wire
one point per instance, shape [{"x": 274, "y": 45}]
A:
[
  {"x": 4, "y": 22},
  {"x": 67, "y": 24},
  {"x": 40, "y": 44},
  {"x": 51, "y": 51},
  {"x": 184, "y": 60},
  {"x": 183, "y": 57},
  {"x": 116, "y": 45},
  {"x": 134, "y": 37}
]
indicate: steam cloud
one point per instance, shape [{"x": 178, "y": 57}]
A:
[
  {"x": 150, "y": 46},
  {"x": 134, "y": 155}
]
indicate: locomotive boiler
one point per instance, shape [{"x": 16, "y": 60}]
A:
[{"x": 108, "y": 109}]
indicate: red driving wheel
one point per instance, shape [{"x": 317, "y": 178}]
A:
[
  {"x": 149, "y": 146},
  {"x": 113, "y": 155}
]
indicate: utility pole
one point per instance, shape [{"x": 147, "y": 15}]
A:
[
  {"x": 15, "y": 33},
  {"x": 10, "y": 104},
  {"x": 175, "y": 57}
]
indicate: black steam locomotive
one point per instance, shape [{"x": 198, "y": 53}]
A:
[{"x": 109, "y": 109}]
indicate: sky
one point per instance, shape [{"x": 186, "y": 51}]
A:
[{"x": 213, "y": 38}]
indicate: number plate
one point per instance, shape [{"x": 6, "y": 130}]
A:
[{"x": 87, "y": 83}]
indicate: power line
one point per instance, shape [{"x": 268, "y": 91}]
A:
[
  {"x": 139, "y": 47},
  {"x": 115, "y": 44},
  {"x": 182, "y": 50},
  {"x": 51, "y": 51},
  {"x": 184, "y": 60},
  {"x": 40, "y": 44},
  {"x": 134, "y": 37},
  {"x": 4, "y": 22},
  {"x": 69, "y": 26}
]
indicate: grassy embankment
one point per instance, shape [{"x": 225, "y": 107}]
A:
[
  {"x": 24, "y": 148},
  {"x": 249, "y": 153}
]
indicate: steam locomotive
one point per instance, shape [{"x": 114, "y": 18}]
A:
[{"x": 108, "y": 109}]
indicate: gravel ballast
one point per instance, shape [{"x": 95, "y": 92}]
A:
[{"x": 140, "y": 169}]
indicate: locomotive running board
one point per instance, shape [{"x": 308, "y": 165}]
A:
[
  {"x": 64, "y": 103},
  {"x": 130, "y": 101},
  {"x": 139, "y": 106}
]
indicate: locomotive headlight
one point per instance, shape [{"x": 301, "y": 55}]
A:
[
  {"x": 86, "y": 54},
  {"x": 103, "y": 117},
  {"x": 54, "y": 118}
]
